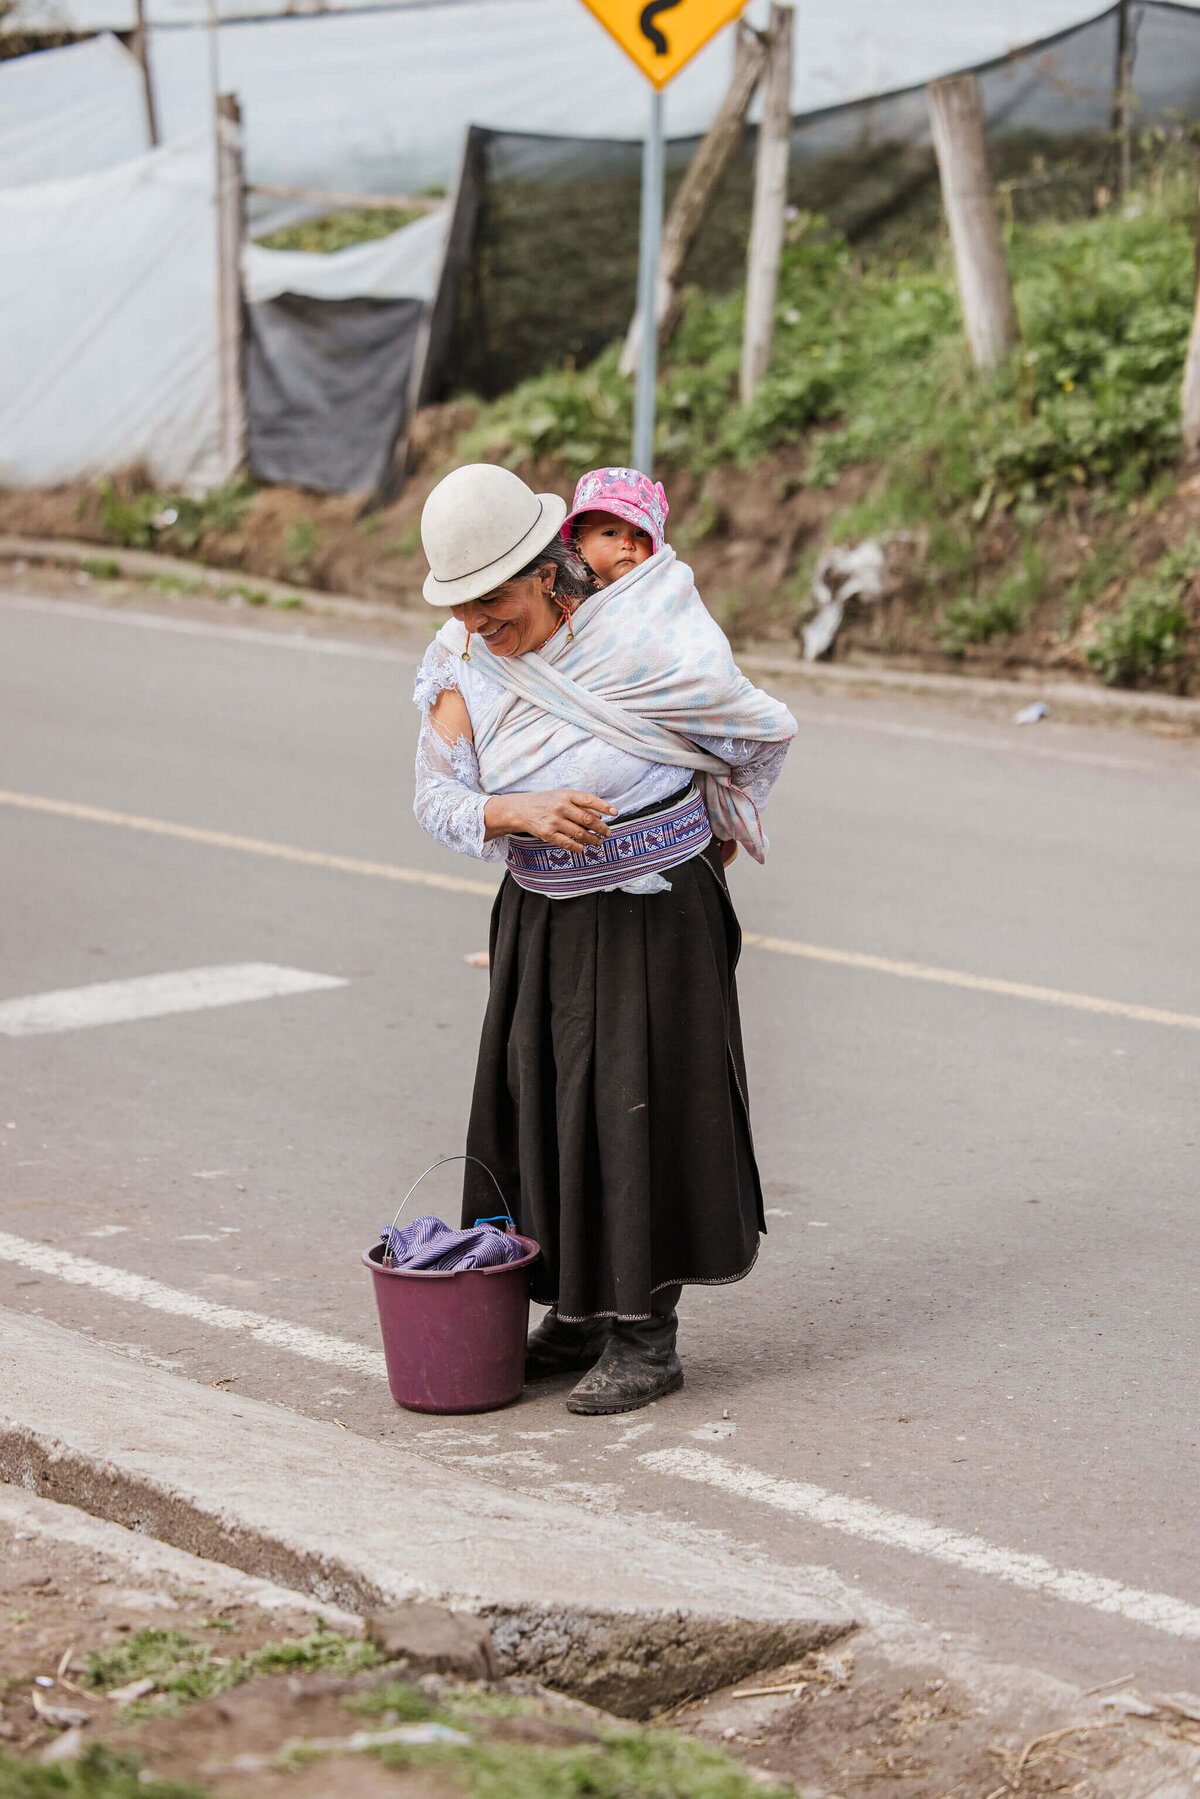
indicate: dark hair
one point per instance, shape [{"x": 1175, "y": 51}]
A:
[{"x": 573, "y": 580}]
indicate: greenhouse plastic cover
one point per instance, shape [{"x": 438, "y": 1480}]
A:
[
  {"x": 377, "y": 99},
  {"x": 108, "y": 319},
  {"x": 70, "y": 112},
  {"x": 402, "y": 266}
]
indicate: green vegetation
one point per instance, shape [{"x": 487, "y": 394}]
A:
[
  {"x": 1149, "y": 633},
  {"x": 137, "y": 520},
  {"x": 870, "y": 372},
  {"x": 172, "y": 585},
  {"x": 185, "y": 1668},
  {"x": 1001, "y": 612},
  {"x": 98, "y": 1774},
  {"x": 300, "y": 543},
  {"x": 869, "y": 366},
  {"x": 627, "y": 1764},
  {"x": 338, "y": 230},
  {"x": 101, "y": 568}
]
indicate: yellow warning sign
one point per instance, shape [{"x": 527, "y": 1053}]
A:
[{"x": 662, "y": 35}]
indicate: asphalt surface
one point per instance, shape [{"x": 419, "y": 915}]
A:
[{"x": 978, "y": 1302}]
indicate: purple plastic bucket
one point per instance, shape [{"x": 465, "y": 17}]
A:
[{"x": 454, "y": 1341}]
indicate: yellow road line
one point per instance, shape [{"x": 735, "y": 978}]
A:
[
  {"x": 977, "y": 983},
  {"x": 779, "y": 946},
  {"x": 254, "y": 846}
]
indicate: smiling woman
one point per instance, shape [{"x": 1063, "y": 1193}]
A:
[{"x": 601, "y": 741}]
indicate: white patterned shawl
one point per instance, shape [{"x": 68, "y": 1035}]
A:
[{"x": 648, "y": 671}]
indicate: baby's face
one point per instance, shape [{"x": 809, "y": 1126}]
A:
[{"x": 610, "y": 546}]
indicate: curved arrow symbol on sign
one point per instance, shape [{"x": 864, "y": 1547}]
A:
[{"x": 650, "y": 29}]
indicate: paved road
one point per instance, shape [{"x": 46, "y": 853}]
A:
[{"x": 977, "y": 1307}]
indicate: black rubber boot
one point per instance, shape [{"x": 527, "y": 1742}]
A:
[
  {"x": 639, "y": 1363},
  {"x": 554, "y": 1347}
]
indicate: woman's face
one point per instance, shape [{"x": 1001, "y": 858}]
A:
[
  {"x": 610, "y": 546},
  {"x": 519, "y": 616}
]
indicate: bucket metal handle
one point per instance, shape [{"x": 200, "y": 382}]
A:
[{"x": 387, "y": 1258}]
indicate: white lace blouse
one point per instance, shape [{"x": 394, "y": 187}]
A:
[{"x": 450, "y": 801}]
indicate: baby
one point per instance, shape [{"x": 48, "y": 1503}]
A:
[{"x": 617, "y": 520}]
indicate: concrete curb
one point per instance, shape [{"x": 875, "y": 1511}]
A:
[
  {"x": 1069, "y": 700},
  {"x": 1065, "y": 699},
  {"x": 621, "y": 1614},
  {"x": 145, "y": 564}
]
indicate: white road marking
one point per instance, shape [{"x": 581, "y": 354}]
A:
[
  {"x": 897, "y": 1530},
  {"x": 855, "y": 1517},
  {"x": 154, "y": 996},
  {"x": 138, "y": 1289}
]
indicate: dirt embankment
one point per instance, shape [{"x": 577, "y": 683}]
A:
[
  {"x": 126, "y": 1663},
  {"x": 752, "y": 537}
]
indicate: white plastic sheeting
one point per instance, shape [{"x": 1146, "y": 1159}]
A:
[
  {"x": 108, "y": 321},
  {"x": 70, "y": 112},
  {"x": 378, "y": 101},
  {"x": 402, "y": 266}
]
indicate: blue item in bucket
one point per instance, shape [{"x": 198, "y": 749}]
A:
[{"x": 428, "y": 1243}]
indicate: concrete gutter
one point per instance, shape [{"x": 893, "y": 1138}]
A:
[
  {"x": 1074, "y": 701},
  {"x": 625, "y": 1614}
]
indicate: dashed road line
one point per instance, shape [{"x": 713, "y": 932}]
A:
[
  {"x": 155, "y": 996},
  {"x": 898, "y": 1530},
  {"x": 779, "y": 946},
  {"x": 139, "y": 1289}
]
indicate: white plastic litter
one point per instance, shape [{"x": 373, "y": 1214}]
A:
[
  {"x": 1029, "y": 715},
  {"x": 846, "y": 572}
]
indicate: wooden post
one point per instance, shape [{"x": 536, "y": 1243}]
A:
[
  {"x": 770, "y": 199},
  {"x": 1121, "y": 99},
  {"x": 141, "y": 52},
  {"x": 229, "y": 209},
  {"x": 697, "y": 190},
  {"x": 1189, "y": 400},
  {"x": 956, "y": 117}
]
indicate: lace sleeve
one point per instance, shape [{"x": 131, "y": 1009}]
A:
[
  {"x": 754, "y": 765},
  {"x": 449, "y": 800}
]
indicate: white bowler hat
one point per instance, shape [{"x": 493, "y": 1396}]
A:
[{"x": 479, "y": 526}]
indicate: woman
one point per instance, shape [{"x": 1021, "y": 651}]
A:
[{"x": 603, "y": 745}]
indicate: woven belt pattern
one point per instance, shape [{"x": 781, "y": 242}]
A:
[{"x": 642, "y": 846}]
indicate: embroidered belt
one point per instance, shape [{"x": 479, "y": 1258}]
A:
[{"x": 641, "y": 846}]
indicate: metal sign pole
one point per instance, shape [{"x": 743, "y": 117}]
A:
[{"x": 651, "y": 234}]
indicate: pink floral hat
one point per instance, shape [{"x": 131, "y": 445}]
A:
[{"x": 625, "y": 493}]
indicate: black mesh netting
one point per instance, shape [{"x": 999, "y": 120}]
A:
[{"x": 553, "y": 273}]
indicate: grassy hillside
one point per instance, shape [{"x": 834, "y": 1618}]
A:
[{"x": 1023, "y": 486}]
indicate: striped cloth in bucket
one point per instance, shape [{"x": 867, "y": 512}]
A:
[{"x": 428, "y": 1243}]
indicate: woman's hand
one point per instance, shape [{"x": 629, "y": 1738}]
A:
[{"x": 564, "y": 818}]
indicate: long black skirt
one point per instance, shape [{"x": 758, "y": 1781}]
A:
[{"x": 610, "y": 1094}]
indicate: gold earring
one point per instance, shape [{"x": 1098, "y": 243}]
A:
[{"x": 466, "y": 655}]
